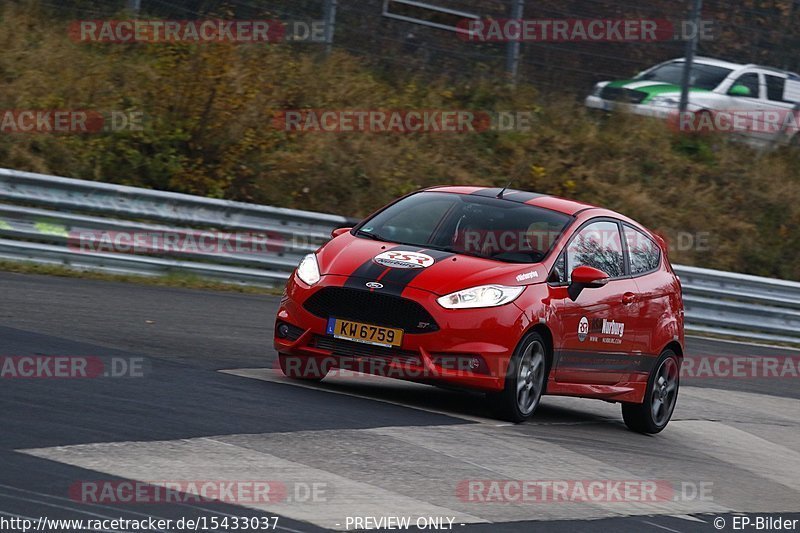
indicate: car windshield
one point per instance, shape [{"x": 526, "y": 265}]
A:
[
  {"x": 487, "y": 227},
  {"x": 701, "y": 76}
]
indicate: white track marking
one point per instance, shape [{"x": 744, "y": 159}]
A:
[
  {"x": 421, "y": 479},
  {"x": 516, "y": 455},
  {"x": 689, "y": 518},
  {"x": 660, "y": 526},
  {"x": 213, "y": 459},
  {"x": 415, "y": 471},
  {"x": 743, "y": 450}
]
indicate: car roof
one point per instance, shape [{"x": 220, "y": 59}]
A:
[
  {"x": 711, "y": 61},
  {"x": 733, "y": 66},
  {"x": 554, "y": 203}
]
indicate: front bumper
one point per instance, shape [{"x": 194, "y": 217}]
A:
[
  {"x": 491, "y": 334},
  {"x": 645, "y": 110}
]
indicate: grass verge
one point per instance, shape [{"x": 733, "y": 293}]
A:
[{"x": 184, "y": 281}]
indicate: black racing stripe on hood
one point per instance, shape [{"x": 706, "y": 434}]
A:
[
  {"x": 397, "y": 279},
  {"x": 369, "y": 270}
]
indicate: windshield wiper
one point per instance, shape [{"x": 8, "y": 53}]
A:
[
  {"x": 452, "y": 250},
  {"x": 430, "y": 246},
  {"x": 376, "y": 237},
  {"x": 369, "y": 235}
]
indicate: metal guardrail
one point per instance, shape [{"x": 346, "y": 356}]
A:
[
  {"x": 726, "y": 303},
  {"x": 44, "y": 219},
  {"x": 47, "y": 219}
]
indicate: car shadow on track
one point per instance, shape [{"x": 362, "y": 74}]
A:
[{"x": 460, "y": 403}]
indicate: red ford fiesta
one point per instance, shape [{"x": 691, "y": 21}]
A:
[{"x": 509, "y": 292}]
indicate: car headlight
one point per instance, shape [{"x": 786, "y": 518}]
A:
[
  {"x": 308, "y": 270},
  {"x": 483, "y": 296},
  {"x": 665, "y": 101}
]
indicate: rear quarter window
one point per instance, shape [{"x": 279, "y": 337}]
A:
[
  {"x": 775, "y": 89},
  {"x": 643, "y": 253}
]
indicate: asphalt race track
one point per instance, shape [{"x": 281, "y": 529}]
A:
[{"x": 209, "y": 405}]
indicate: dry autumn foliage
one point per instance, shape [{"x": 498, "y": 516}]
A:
[{"x": 208, "y": 130}]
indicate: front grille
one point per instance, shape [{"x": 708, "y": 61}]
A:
[
  {"x": 620, "y": 94},
  {"x": 345, "y": 348},
  {"x": 371, "y": 308}
]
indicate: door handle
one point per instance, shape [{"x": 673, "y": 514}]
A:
[{"x": 628, "y": 298}]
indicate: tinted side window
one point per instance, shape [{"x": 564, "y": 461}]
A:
[
  {"x": 597, "y": 245},
  {"x": 751, "y": 82},
  {"x": 644, "y": 254},
  {"x": 775, "y": 86}
]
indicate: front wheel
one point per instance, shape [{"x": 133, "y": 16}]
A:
[
  {"x": 654, "y": 413},
  {"x": 525, "y": 381}
]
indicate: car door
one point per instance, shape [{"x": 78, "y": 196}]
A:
[
  {"x": 744, "y": 114},
  {"x": 596, "y": 335}
]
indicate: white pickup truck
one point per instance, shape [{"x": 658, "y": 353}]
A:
[{"x": 760, "y": 105}]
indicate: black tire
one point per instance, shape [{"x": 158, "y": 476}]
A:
[
  {"x": 303, "y": 368},
  {"x": 654, "y": 413},
  {"x": 528, "y": 368}
]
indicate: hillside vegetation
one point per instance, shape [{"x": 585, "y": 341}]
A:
[{"x": 208, "y": 130}]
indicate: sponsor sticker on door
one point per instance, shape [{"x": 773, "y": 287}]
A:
[
  {"x": 601, "y": 329},
  {"x": 583, "y": 328}
]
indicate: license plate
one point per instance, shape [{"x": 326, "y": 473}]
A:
[{"x": 366, "y": 333}]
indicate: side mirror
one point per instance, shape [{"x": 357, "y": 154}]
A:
[
  {"x": 339, "y": 231},
  {"x": 739, "y": 90},
  {"x": 585, "y": 277}
]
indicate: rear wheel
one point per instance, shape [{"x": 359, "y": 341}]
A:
[
  {"x": 303, "y": 368},
  {"x": 653, "y": 415},
  {"x": 525, "y": 381}
]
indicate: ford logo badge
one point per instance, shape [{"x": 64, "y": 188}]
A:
[{"x": 375, "y": 285}]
